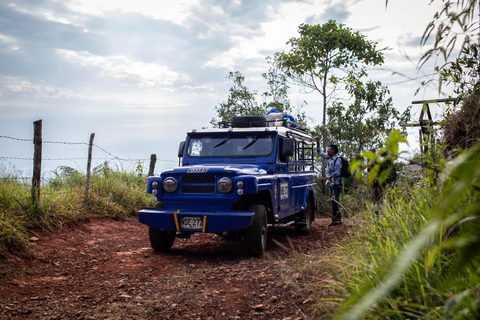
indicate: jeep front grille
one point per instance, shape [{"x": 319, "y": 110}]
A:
[
  {"x": 198, "y": 184},
  {"x": 198, "y": 179},
  {"x": 197, "y": 189}
]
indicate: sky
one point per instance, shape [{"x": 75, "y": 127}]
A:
[{"x": 140, "y": 74}]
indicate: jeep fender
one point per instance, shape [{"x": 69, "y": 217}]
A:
[{"x": 310, "y": 196}]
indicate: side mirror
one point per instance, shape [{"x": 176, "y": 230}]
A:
[
  {"x": 287, "y": 147},
  {"x": 181, "y": 149}
]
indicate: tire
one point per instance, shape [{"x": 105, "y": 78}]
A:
[
  {"x": 248, "y": 121},
  {"x": 256, "y": 235},
  {"x": 304, "y": 226},
  {"x": 161, "y": 240}
]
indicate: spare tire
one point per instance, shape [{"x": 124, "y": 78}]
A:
[{"x": 248, "y": 121}]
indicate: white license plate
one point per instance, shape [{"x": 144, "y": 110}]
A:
[{"x": 195, "y": 223}]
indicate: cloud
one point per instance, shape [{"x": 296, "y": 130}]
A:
[
  {"x": 54, "y": 10},
  {"x": 124, "y": 70},
  {"x": 9, "y": 43},
  {"x": 22, "y": 87},
  {"x": 178, "y": 11},
  {"x": 336, "y": 11},
  {"x": 74, "y": 12}
]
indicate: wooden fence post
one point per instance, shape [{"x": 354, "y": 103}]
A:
[
  {"x": 37, "y": 161},
  {"x": 153, "y": 160},
  {"x": 89, "y": 165}
]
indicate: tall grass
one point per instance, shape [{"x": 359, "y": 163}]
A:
[
  {"x": 418, "y": 259},
  {"x": 113, "y": 194},
  {"x": 421, "y": 257}
]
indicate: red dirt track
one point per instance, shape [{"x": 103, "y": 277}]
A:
[{"x": 106, "y": 269}]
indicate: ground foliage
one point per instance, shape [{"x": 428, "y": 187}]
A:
[
  {"x": 461, "y": 130},
  {"x": 113, "y": 193},
  {"x": 421, "y": 257}
]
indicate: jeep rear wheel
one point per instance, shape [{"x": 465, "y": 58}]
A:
[
  {"x": 304, "y": 225},
  {"x": 161, "y": 240},
  {"x": 256, "y": 235}
]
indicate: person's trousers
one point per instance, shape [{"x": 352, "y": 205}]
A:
[{"x": 335, "y": 194}]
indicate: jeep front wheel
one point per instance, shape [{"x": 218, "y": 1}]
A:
[
  {"x": 304, "y": 225},
  {"x": 161, "y": 240},
  {"x": 256, "y": 235}
]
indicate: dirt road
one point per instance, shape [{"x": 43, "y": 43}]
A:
[{"x": 106, "y": 269}]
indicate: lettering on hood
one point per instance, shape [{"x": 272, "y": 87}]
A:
[{"x": 197, "y": 170}]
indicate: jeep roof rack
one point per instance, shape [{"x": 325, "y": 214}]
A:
[{"x": 259, "y": 121}]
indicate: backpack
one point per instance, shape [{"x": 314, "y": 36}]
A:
[
  {"x": 345, "y": 171},
  {"x": 392, "y": 176}
]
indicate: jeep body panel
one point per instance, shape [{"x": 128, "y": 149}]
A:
[
  {"x": 212, "y": 222},
  {"x": 227, "y": 174}
]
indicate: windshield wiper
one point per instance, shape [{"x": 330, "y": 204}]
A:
[
  {"x": 223, "y": 142},
  {"x": 251, "y": 143}
]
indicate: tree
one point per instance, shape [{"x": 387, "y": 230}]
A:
[
  {"x": 367, "y": 122},
  {"x": 277, "y": 89},
  {"x": 323, "y": 55},
  {"x": 240, "y": 102}
]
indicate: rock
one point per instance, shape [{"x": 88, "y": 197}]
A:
[{"x": 259, "y": 307}]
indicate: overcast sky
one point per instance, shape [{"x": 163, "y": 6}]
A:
[{"x": 139, "y": 74}]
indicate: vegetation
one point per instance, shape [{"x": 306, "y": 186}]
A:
[
  {"x": 242, "y": 101},
  {"x": 113, "y": 194},
  {"x": 366, "y": 122},
  {"x": 324, "y": 56},
  {"x": 420, "y": 258}
]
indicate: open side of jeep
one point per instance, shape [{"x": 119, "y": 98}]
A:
[{"x": 234, "y": 181}]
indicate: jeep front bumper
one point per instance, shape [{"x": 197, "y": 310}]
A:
[{"x": 199, "y": 221}]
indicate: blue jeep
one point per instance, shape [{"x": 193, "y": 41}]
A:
[{"x": 234, "y": 181}]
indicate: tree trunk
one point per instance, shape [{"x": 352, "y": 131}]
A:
[{"x": 324, "y": 128}]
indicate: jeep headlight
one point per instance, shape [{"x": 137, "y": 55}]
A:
[
  {"x": 170, "y": 184},
  {"x": 225, "y": 185}
]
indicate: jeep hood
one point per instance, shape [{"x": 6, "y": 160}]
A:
[{"x": 234, "y": 169}]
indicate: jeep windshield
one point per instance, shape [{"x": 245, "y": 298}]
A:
[{"x": 228, "y": 145}]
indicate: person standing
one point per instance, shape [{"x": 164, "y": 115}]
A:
[
  {"x": 333, "y": 179},
  {"x": 377, "y": 188}
]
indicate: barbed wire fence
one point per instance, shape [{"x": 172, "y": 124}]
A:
[{"x": 37, "y": 159}]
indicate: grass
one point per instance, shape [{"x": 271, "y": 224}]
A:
[
  {"x": 113, "y": 194},
  {"x": 420, "y": 259}
]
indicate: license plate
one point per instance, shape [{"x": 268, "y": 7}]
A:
[{"x": 195, "y": 223}]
